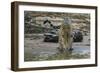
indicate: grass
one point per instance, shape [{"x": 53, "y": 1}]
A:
[{"x": 59, "y": 56}]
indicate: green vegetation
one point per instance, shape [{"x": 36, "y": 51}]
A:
[{"x": 60, "y": 56}]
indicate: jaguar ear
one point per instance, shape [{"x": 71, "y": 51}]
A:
[{"x": 67, "y": 21}]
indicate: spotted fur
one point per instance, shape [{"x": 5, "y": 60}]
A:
[{"x": 65, "y": 39}]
